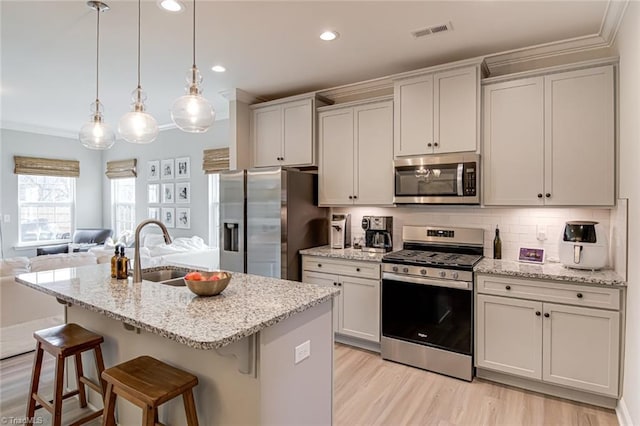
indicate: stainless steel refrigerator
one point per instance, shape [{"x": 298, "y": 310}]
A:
[{"x": 266, "y": 216}]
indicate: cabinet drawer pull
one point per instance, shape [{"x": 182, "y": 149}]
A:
[
  {"x": 319, "y": 265},
  {"x": 579, "y": 295},
  {"x": 357, "y": 269},
  {"x": 546, "y": 315},
  {"x": 508, "y": 287},
  {"x": 538, "y": 313}
]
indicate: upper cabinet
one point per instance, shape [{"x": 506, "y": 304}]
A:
[
  {"x": 550, "y": 140},
  {"x": 356, "y": 154},
  {"x": 282, "y": 134},
  {"x": 437, "y": 113}
]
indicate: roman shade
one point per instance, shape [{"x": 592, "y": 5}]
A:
[
  {"x": 215, "y": 160},
  {"x": 122, "y": 169},
  {"x": 45, "y": 167}
]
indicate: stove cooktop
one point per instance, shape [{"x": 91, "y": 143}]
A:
[{"x": 432, "y": 258}]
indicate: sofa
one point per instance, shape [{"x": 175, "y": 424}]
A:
[{"x": 82, "y": 236}]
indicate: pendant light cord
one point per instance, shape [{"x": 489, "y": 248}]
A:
[
  {"x": 97, "y": 51},
  {"x": 138, "y": 45},
  {"x": 194, "y": 33}
]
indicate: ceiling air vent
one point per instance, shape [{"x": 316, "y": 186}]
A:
[{"x": 434, "y": 29}]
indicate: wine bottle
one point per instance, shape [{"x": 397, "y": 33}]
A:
[{"x": 497, "y": 245}]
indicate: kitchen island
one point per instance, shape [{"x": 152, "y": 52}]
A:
[{"x": 242, "y": 344}]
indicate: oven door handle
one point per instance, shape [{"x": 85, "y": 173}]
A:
[{"x": 462, "y": 285}]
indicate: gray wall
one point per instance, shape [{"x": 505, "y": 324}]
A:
[
  {"x": 170, "y": 144},
  {"x": 89, "y": 200}
]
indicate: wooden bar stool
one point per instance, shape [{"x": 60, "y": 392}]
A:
[
  {"x": 148, "y": 383},
  {"x": 64, "y": 341}
]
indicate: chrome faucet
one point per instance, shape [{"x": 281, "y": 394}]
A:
[{"x": 137, "y": 269}]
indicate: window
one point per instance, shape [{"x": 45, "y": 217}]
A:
[
  {"x": 46, "y": 207},
  {"x": 123, "y": 201}
]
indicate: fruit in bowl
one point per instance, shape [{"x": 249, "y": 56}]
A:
[{"x": 207, "y": 283}]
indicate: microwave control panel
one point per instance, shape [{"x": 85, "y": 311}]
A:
[{"x": 469, "y": 179}]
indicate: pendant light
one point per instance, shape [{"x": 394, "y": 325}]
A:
[
  {"x": 138, "y": 126},
  {"x": 96, "y": 134},
  {"x": 192, "y": 112}
]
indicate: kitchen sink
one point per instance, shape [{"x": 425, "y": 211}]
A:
[{"x": 173, "y": 276}]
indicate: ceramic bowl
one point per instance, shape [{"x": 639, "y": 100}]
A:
[{"x": 208, "y": 286}]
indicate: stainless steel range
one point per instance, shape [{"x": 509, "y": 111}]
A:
[{"x": 427, "y": 299}]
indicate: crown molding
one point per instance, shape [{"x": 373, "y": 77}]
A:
[
  {"x": 605, "y": 38},
  {"x": 240, "y": 95},
  {"x": 40, "y": 130}
]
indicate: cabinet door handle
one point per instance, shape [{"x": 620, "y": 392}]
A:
[
  {"x": 319, "y": 265},
  {"x": 579, "y": 295},
  {"x": 435, "y": 144},
  {"x": 538, "y": 313},
  {"x": 429, "y": 144},
  {"x": 357, "y": 269},
  {"x": 355, "y": 197},
  {"x": 508, "y": 287},
  {"x": 351, "y": 197},
  {"x": 546, "y": 315},
  {"x": 539, "y": 195},
  {"x": 339, "y": 284},
  {"x": 335, "y": 283},
  {"x": 548, "y": 195}
]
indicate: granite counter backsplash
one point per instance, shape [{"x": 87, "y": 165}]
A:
[
  {"x": 549, "y": 271},
  {"x": 346, "y": 254}
]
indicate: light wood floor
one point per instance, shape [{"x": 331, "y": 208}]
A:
[{"x": 370, "y": 391}]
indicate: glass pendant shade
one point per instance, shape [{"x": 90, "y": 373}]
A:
[
  {"x": 138, "y": 126},
  {"x": 192, "y": 112},
  {"x": 96, "y": 134}
]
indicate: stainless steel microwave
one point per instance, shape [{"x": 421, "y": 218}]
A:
[{"x": 437, "y": 179}]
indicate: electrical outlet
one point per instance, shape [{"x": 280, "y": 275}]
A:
[
  {"x": 541, "y": 233},
  {"x": 302, "y": 351}
]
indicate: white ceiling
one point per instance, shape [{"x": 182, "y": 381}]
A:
[{"x": 270, "y": 48}]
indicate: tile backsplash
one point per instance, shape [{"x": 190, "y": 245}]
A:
[{"x": 519, "y": 227}]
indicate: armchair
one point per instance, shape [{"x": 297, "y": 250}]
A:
[{"x": 80, "y": 236}]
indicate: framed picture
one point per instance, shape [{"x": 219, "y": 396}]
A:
[
  {"x": 183, "y": 168},
  {"x": 531, "y": 255},
  {"x": 153, "y": 193},
  {"x": 168, "y": 194},
  {"x": 167, "y": 170},
  {"x": 183, "y": 217},
  {"x": 183, "y": 192},
  {"x": 153, "y": 170},
  {"x": 154, "y": 213},
  {"x": 168, "y": 217}
]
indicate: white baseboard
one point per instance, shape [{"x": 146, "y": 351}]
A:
[{"x": 623, "y": 413}]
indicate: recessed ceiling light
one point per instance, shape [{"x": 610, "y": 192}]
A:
[
  {"x": 218, "y": 68},
  {"x": 171, "y": 5},
  {"x": 329, "y": 35}
]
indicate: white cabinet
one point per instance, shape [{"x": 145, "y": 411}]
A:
[
  {"x": 527, "y": 335},
  {"x": 550, "y": 140},
  {"x": 356, "y": 311},
  {"x": 282, "y": 134},
  {"x": 437, "y": 112},
  {"x": 356, "y": 154}
]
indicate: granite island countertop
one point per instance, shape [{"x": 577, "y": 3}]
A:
[
  {"x": 346, "y": 254},
  {"x": 249, "y": 304},
  {"x": 549, "y": 271}
]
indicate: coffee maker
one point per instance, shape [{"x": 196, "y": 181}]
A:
[
  {"x": 378, "y": 231},
  {"x": 340, "y": 231}
]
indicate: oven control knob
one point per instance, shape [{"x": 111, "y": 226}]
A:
[
  {"x": 405, "y": 270},
  {"x": 442, "y": 274},
  {"x": 454, "y": 275},
  {"x": 423, "y": 271},
  {"x": 395, "y": 269}
]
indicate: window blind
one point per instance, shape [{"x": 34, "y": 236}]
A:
[
  {"x": 122, "y": 169},
  {"x": 215, "y": 160},
  {"x": 45, "y": 167}
]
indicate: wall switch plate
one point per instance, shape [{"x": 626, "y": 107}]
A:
[
  {"x": 303, "y": 351},
  {"x": 541, "y": 233}
]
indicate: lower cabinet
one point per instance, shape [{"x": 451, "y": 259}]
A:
[
  {"x": 573, "y": 346},
  {"x": 356, "y": 311}
]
